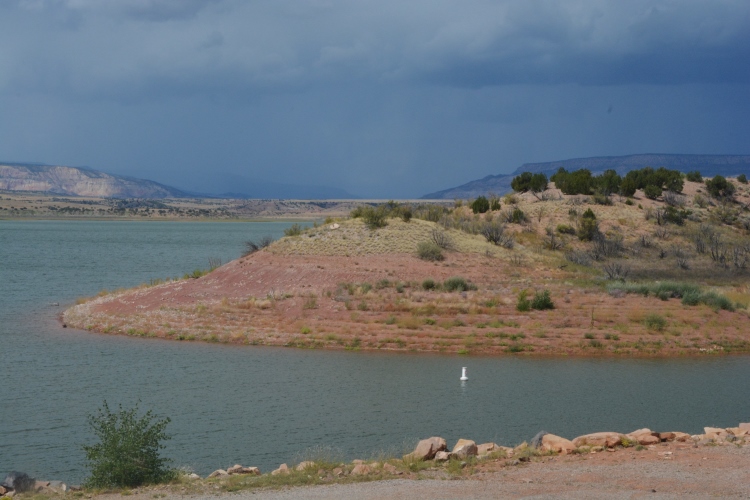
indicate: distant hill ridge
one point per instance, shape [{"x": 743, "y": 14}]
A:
[
  {"x": 79, "y": 181},
  {"x": 708, "y": 165}
]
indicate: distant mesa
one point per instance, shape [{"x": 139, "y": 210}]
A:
[
  {"x": 708, "y": 165},
  {"x": 82, "y": 181},
  {"x": 79, "y": 181}
]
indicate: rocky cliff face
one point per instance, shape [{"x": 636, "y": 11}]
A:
[{"x": 79, "y": 182}]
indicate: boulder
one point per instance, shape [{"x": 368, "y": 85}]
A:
[
  {"x": 644, "y": 437},
  {"x": 361, "y": 470},
  {"x": 681, "y": 437},
  {"x": 3, "y": 491},
  {"x": 737, "y": 431},
  {"x": 40, "y": 485},
  {"x": 283, "y": 469},
  {"x": 426, "y": 449},
  {"x": 715, "y": 433},
  {"x": 58, "y": 486},
  {"x": 391, "y": 469},
  {"x": 465, "y": 448},
  {"x": 338, "y": 472},
  {"x": 235, "y": 469},
  {"x": 667, "y": 436},
  {"x": 193, "y": 476},
  {"x": 745, "y": 427},
  {"x": 605, "y": 439},
  {"x": 18, "y": 481},
  {"x": 305, "y": 465},
  {"x": 443, "y": 456},
  {"x": 218, "y": 473},
  {"x": 487, "y": 448},
  {"x": 558, "y": 444},
  {"x": 536, "y": 441}
]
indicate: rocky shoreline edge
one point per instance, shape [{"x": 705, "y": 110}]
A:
[{"x": 430, "y": 454}]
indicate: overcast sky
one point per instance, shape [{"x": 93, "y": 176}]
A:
[{"x": 383, "y": 98}]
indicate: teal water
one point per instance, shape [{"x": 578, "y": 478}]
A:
[{"x": 262, "y": 406}]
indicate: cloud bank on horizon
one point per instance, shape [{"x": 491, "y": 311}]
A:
[{"x": 381, "y": 98}]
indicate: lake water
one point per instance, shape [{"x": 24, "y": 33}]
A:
[{"x": 262, "y": 406}]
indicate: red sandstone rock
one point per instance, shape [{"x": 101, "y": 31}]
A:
[
  {"x": 558, "y": 444},
  {"x": 605, "y": 439},
  {"x": 644, "y": 437},
  {"x": 283, "y": 469},
  {"x": 464, "y": 448},
  {"x": 426, "y": 449},
  {"x": 361, "y": 470},
  {"x": 486, "y": 448}
]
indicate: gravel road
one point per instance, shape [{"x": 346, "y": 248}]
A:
[{"x": 660, "y": 472}]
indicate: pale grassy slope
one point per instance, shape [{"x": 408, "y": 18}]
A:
[{"x": 353, "y": 238}]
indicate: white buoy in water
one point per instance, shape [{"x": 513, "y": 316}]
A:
[{"x": 463, "y": 375}]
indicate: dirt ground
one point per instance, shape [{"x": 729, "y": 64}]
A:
[
  {"x": 378, "y": 302},
  {"x": 668, "y": 470}
]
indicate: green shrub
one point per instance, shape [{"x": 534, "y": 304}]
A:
[
  {"x": 655, "y": 322},
  {"x": 458, "y": 284},
  {"x": 480, "y": 205},
  {"x": 542, "y": 301},
  {"x": 742, "y": 179},
  {"x": 576, "y": 182},
  {"x": 589, "y": 336},
  {"x": 523, "y": 304},
  {"x": 536, "y": 183},
  {"x": 719, "y": 187},
  {"x": 127, "y": 454},
  {"x": 429, "y": 284},
  {"x": 652, "y": 191},
  {"x": 428, "y": 250},
  {"x": 565, "y": 229},
  {"x": 588, "y": 227},
  {"x": 691, "y": 295},
  {"x": 517, "y": 216},
  {"x": 694, "y": 176},
  {"x": 375, "y": 218},
  {"x": 711, "y": 299},
  {"x": 293, "y": 230}
]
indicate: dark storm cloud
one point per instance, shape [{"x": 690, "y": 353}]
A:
[
  {"x": 381, "y": 97},
  {"x": 112, "y": 46}
]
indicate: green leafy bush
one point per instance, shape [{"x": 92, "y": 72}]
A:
[
  {"x": 375, "y": 218},
  {"x": 429, "y": 284},
  {"x": 655, "y": 322},
  {"x": 458, "y": 284},
  {"x": 742, "y": 179},
  {"x": 720, "y": 187},
  {"x": 536, "y": 183},
  {"x": 565, "y": 229},
  {"x": 588, "y": 227},
  {"x": 294, "y": 230},
  {"x": 542, "y": 301},
  {"x": 428, "y": 250},
  {"x": 480, "y": 205},
  {"x": 576, "y": 182},
  {"x": 523, "y": 304},
  {"x": 127, "y": 454},
  {"x": 652, "y": 191},
  {"x": 694, "y": 176},
  {"x": 711, "y": 299}
]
